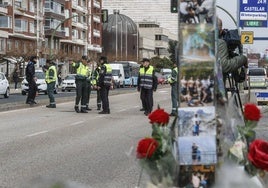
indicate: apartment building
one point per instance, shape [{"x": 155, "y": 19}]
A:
[{"x": 59, "y": 29}]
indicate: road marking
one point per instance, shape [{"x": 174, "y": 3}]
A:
[
  {"x": 37, "y": 133},
  {"x": 77, "y": 123}
]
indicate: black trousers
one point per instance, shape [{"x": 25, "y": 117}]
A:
[
  {"x": 32, "y": 91},
  {"x": 147, "y": 99},
  {"x": 81, "y": 93},
  {"x": 88, "y": 93},
  {"x": 104, "y": 93},
  {"x": 98, "y": 99}
]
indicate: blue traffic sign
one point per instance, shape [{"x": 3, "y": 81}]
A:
[{"x": 253, "y": 13}]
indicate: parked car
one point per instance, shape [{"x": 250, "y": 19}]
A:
[
  {"x": 4, "y": 85},
  {"x": 41, "y": 83},
  {"x": 256, "y": 78},
  {"x": 68, "y": 83}
]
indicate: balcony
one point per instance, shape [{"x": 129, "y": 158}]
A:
[
  {"x": 96, "y": 33},
  {"x": 3, "y": 10},
  {"x": 96, "y": 19},
  {"x": 59, "y": 34},
  {"x": 96, "y": 4}
]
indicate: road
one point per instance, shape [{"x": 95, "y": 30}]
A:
[{"x": 90, "y": 149}]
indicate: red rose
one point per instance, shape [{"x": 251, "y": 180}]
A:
[
  {"x": 252, "y": 112},
  {"x": 146, "y": 148},
  {"x": 258, "y": 154},
  {"x": 159, "y": 116}
]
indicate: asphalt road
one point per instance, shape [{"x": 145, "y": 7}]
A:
[{"x": 42, "y": 145}]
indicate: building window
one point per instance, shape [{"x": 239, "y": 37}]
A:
[
  {"x": 32, "y": 30},
  {"x": 16, "y": 44},
  {"x": 9, "y": 45},
  {"x": 5, "y": 22},
  {"x": 52, "y": 24},
  {"x": 2, "y": 45},
  {"x": 21, "y": 25},
  {"x": 51, "y": 6}
]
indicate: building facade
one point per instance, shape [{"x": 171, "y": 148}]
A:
[{"x": 61, "y": 30}]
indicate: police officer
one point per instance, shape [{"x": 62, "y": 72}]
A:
[
  {"x": 104, "y": 84},
  {"x": 81, "y": 84},
  {"x": 51, "y": 76},
  {"x": 172, "y": 80},
  {"x": 89, "y": 79},
  {"x": 30, "y": 77},
  {"x": 95, "y": 77},
  {"x": 147, "y": 83}
]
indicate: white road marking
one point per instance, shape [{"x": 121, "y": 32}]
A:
[
  {"x": 37, "y": 133},
  {"x": 77, "y": 123}
]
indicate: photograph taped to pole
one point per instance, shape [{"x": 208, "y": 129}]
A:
[{"x": 197, "y": 126}]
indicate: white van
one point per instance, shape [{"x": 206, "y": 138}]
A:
[
  {"x": 256, "y": 78},
  {"x": 118, "y": 74}
]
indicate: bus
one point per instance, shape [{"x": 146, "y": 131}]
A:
[{"x": 131, "y": 71}]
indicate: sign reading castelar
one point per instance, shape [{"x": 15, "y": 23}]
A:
[{"x": 253, "y": 13}]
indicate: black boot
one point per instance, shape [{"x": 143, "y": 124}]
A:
[
  {"x": 51, "y": 106},
  {"x": 76, "y": 109}
]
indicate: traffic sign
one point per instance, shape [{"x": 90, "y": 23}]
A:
[
  {"x": 253, "y": 13},
  {"x": 247, "y": 37}
]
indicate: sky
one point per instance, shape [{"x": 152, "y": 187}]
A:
[{"x": 231, "y": 7}]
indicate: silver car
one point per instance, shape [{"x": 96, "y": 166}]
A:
[{"x": 4, "y": 85}]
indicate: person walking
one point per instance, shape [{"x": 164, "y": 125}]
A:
[
  {"x": 30, "y": 77},
  {"x": 81, "y": 84},
  {"x": 95, "y": 78},
  {"x": 51, "y": 77},
  {"x": 104, "y": 84},
  {"x": 15, "y": 78},
  {"x": 173, "y": 81},
  {"x": 89, "y": 79},
  {"x": 147, "y": 83},
  {"x": 142, "y": 102}
]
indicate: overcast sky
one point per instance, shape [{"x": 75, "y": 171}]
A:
[{"x": 231, "y": 7}]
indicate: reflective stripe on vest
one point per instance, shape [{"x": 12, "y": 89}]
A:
[
  {"x": 51, "y": 78},
  {"x": 108, "y": 75},
  {"x": 146, "y": 78}
]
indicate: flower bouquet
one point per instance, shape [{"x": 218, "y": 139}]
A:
[
  {"x": 155, "y": 153},
  {"x": 247, "y": 151}
]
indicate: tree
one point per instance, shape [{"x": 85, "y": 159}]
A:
[{"x": 172, "y": 50}]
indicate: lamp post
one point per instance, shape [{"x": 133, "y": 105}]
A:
[
  {"x": 116, "y": 12},
  {"x": 121, "y": 40},
  {"x": 126, "y": 38}
]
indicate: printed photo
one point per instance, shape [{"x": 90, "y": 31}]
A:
[
  {"x": 197, "y": 150},
  {"x": 194, "y": 12},
  {"x": 197, "y": 176},
  {"x": 198, "y": 42},
  {"x": 197, "y": 121},
  {"x": 197, "y": 86}
]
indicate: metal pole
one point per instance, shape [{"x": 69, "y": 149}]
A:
[
  {"x": 126, "y": 38},
  {"x": 137, "y": 45},
  {"x": 116, "y": 36},
  {"x": 121, "y": 40}
]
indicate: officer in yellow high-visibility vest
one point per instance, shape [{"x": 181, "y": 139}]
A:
[
  {"x": 104, "y": 84},
  {"x": 147, "y": 83},
  {"x": 172, "y": 80},
  {"x": 81, "y": 84},
  {"x": 51, "y": 77}
]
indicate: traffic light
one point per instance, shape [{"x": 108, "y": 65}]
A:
[
  {"x": 104, "y": 16},
  {"x": 173, "y": 6}
]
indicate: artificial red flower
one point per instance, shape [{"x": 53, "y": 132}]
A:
[
  {"x": 159, "y": 116},
  {"x": 258, "y": 154},
  {"x": 252, "y": 112},
  {"x": 146, "y": 148}
]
